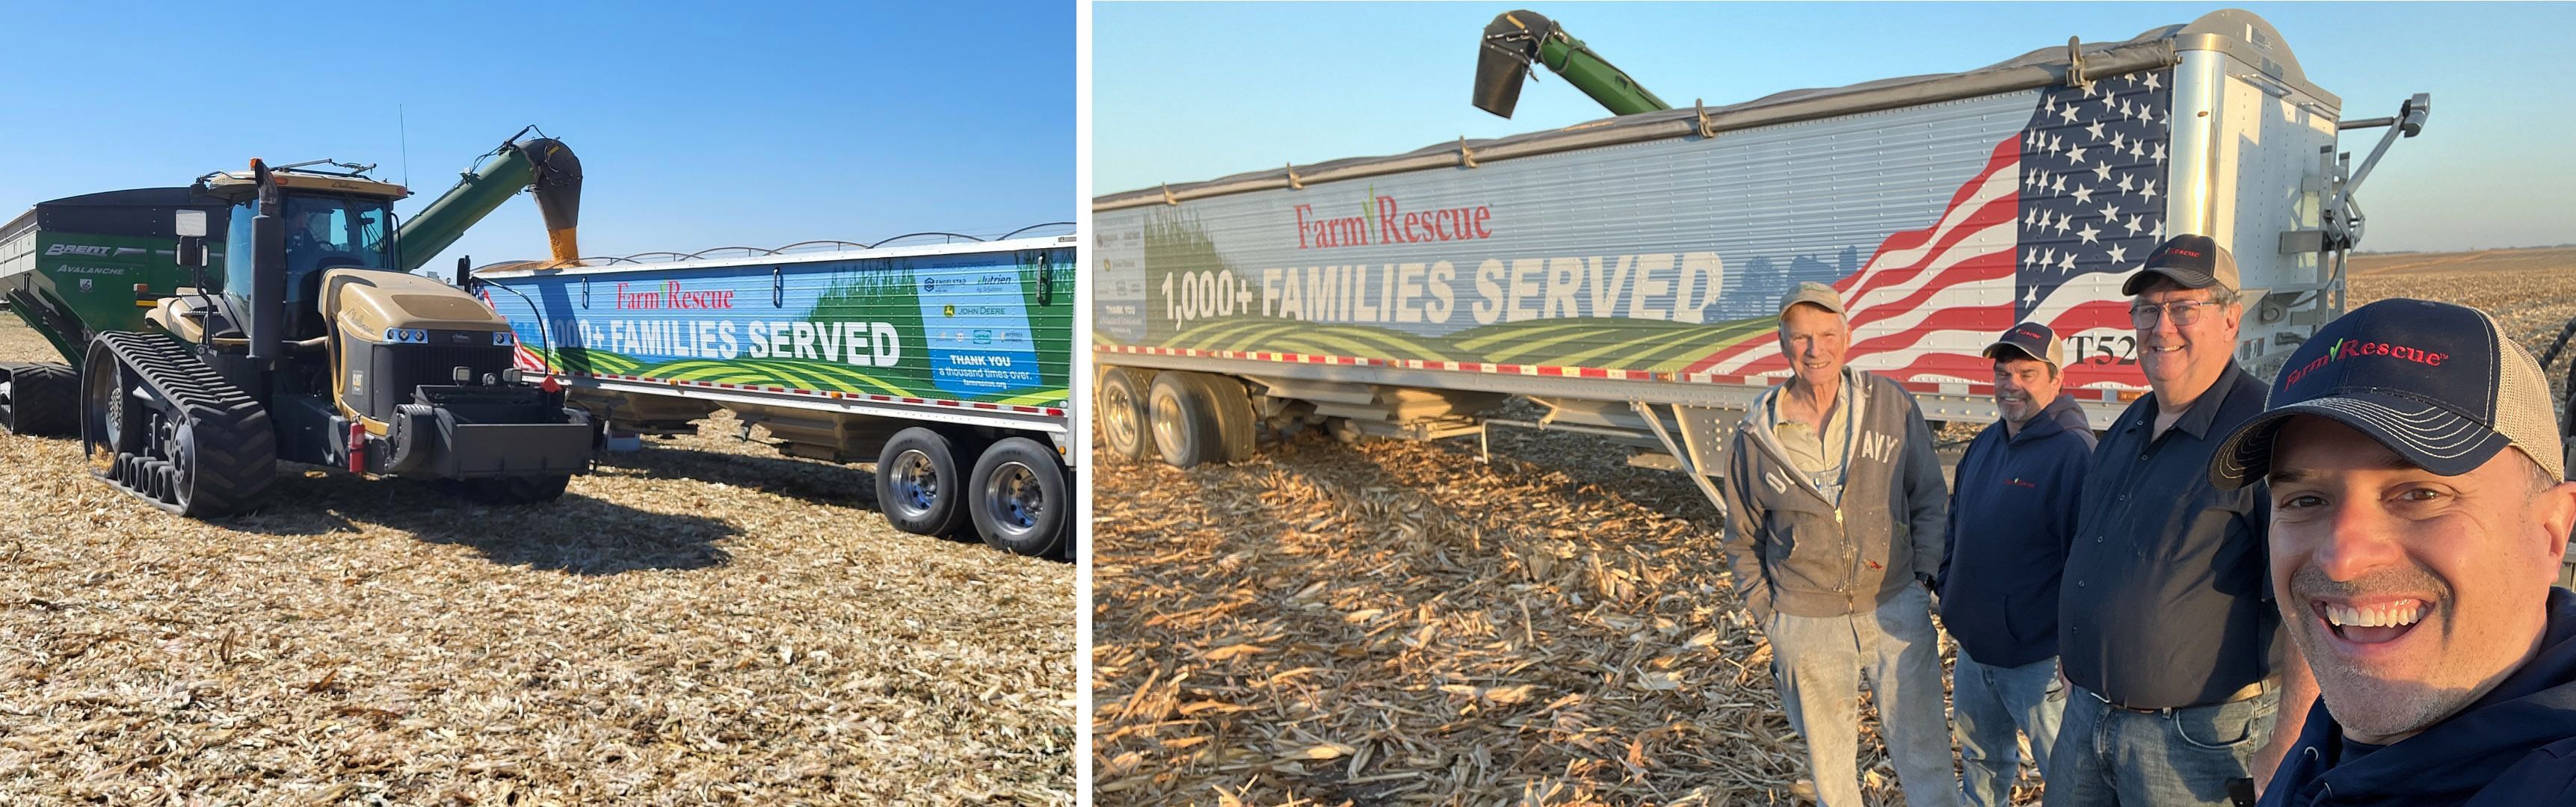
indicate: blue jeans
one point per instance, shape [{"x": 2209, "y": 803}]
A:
[
  {"x": 2108, "y": 755},
  {"x": 1817, "y": 662},
  {"x": 1991, "y": 704}
]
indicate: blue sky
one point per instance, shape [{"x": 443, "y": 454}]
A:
[
  {"x": 697, "y": 125},
  {"x": 1186, "y": 92}
]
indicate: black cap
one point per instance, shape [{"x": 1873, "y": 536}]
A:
[
  {"x": 2194, "y": 261},
  {"x": 2437, "y": 383},
  {"x": 2032, "y": 339}
]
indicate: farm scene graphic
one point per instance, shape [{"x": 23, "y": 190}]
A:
[
  {"x": 2041, "y": 222},
  {"x": 987, "y": 327}
]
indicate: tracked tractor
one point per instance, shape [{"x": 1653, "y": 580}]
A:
[{"x": 302, "y": 339}]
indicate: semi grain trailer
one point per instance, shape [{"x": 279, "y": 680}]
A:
[
  {"x": 1624, "y": 274},
  {"x": 945, "y": 364}
]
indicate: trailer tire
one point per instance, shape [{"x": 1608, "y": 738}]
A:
[
  {"x": 1236, "y": 429},
  {"x": 918, "y": 485},
  {"x": 1020, "y": 498},
  {"x": 44, "y": 401},
  {"x": 511, "y": 490},
  {"x": 1183, "y": 422},
  {"x": 1121, "y": 413}
]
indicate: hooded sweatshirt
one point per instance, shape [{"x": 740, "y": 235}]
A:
[
  {"x": 2515, "y": 746},
  {"x": 2011, "y": 516},
  {"x": 1793, "y": 549}
]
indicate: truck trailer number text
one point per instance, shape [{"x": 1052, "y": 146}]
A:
[
  {"x": 865, "y": 344},
  {"x": 1676, "y": 287}
]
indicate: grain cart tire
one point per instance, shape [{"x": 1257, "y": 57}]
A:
[
  {"x": 1183, "y": 422},
  {"x": 43, "y": 401},
  {"x": 918, "y": 485},
  {"x": 159, "y": 424},
  {"x": 1120, "y": 413},
  {"x": 1235, "y": 425},
  {"x": 510, "y": 490},
  {"x": 1020, "y": 499}
]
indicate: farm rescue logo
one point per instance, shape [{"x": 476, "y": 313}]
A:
[
  {"x": 862, "y": 344},
  {"x": 1669, "y": 286}
]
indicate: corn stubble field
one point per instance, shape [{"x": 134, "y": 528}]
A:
[
  {"x": 1398, "y": 623},
  {"x": 703, "y": 622}
]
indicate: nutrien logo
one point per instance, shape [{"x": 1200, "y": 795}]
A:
[
  {"x": 1383, "y": 221},
  {"x": 2347, "y": 348}
]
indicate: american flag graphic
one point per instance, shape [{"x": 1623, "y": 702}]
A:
[
  {"x": 2047, "y": 231},
  {"x": 520, "y": 356}
]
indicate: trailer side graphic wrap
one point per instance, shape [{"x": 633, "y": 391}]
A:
[
  {"x": 1942, "y": 225},
  {"x": 985, "y": 326}
]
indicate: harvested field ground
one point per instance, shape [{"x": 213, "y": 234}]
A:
[
  {"x": 1398, "y": 623},
  {"x": 2531, "y": 292},
  {"x": 703, "y": 622}
]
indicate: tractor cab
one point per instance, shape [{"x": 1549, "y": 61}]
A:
[{"x": 330, "y": 221}]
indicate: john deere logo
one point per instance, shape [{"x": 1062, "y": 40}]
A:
[{"x": 949, "y": 310}]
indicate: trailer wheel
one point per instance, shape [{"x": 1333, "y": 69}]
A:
[
  {"x": 1020, "y": 498},
  {"x": 508, "y": 490},
  {"x": 918, "y": 485},
  {"x": 1235, "y": 426},
  {"x": 1121, "y": 413},
  {"x": 1183, "y": 422},
  {"x": 40, "y": 400}
]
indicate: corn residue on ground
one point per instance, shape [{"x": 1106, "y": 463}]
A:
[
  {"x": 1399, "y": 623},
  {"x": 700, "y": 622}
]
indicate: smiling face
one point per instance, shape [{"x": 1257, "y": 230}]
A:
[
  {"x": 2409, "y": 593},
  {"x": 2023, "y": 386},
  {"x": 1814, "y": 340},
  {"x": 2181, "y": 361}
]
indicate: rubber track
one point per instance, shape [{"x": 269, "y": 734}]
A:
[
  {"x": 47, "y": 399},
  {"x": 236, "y": 447}
]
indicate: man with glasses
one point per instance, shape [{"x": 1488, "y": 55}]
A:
[{"x": 2166, "y": 628}]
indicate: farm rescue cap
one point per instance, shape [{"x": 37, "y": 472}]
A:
[
  {"x": 2195, "y": 261},
  {"x": 1815, "y": 294},
  {"x": 2031, "y": 339},
  {"x": 2435, "y": 382}
]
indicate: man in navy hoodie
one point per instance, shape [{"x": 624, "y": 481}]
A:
[
  {"x": 2012, "y": 515},
  {"x": 2419, "y": 518}
]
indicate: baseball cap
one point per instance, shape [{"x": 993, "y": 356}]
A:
[
  {"x": 2034, "y": 339},
  {"x": 2437, "y": 383},
  {"x": 2195, "y": 261},
  {"x": 1815, "y": 294}
]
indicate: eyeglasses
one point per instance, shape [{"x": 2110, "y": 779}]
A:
[{"x": 2182, "y": 312}]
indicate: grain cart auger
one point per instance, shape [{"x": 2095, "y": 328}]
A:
[
  {"x": 1516, "y": 38},
  {"x": 310, "y": 346}
]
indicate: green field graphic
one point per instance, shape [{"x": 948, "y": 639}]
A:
[
  {"x": 820, "y": 376},
  {"x": 1605, "y": 342}
]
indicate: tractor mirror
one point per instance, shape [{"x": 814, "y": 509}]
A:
[
  {"x": 464, "y": 264},
  {"x": 192, "y": 252}
]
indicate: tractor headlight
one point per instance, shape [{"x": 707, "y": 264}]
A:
[
  {"x": 411, "y": 335},
  {"x": 504, "y": 338}
]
